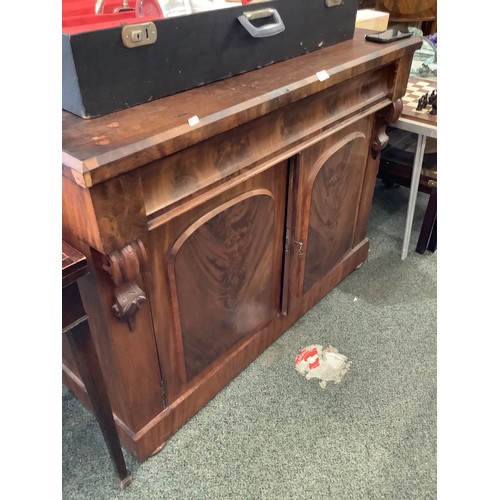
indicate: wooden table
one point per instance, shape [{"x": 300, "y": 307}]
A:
[
  {"x": 424, "y": 125},
  {"x": 214, "y": 219},
  {"x": 75, "y": 327}
]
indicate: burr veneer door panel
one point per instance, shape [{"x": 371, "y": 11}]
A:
[{"x": 221, "y": 265}]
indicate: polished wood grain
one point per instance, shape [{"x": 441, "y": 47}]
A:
[
  {"x": 97, "y": 149},
  {"x": 333, "y": 202},
  {"x": 379, "y": 140},
  {"x": 329, "y": 178},
  {"x": 133, "y": 406},
  {"x": 221, "y": 263},
  {"x": 108, "y": 216},
  {"x": 244, "y": 221},
  {"x": 173, "y": 180},
  {"x": 222, "y": 270}
]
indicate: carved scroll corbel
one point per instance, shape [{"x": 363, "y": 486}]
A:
[
  {"x": 386, "y": 116},
  {"x": 124, "y": 266}
]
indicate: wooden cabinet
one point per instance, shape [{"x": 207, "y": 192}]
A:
[{"x": 205, "y": 243}]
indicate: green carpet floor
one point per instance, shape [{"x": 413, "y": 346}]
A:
[{"x": 272, "y": 434}]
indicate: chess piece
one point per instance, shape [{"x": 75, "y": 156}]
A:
[
  {"x": 434, "y": 103},
  {"x": 422, "y": 103},
  {"x": 432, "y": 98}
]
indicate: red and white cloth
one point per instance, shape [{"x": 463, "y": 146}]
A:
[{"x": 325, "y": 364}]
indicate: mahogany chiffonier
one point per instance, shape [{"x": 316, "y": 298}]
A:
[{"x": 213, "y": 219}]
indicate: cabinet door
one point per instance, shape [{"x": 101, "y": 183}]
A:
[
  {"x": 216, "y": 273},
  {"x": 327, "y": 185}
]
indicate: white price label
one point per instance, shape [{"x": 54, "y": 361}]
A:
[
  {"x": 322, "y": 75},
  {"x": 193, "y": 120}
]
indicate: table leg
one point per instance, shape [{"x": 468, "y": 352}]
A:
[
  {"x": 415, "y": 179},
  {"x": 427, "y": 229},
  {"x": 88, "y": 365},
  {"x": 433, "y": 239}
]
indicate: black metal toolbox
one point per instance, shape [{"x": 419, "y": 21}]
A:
[{"x": 112, "y": 61}]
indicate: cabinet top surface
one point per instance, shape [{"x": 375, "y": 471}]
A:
[{"x": 123, "y": 140}]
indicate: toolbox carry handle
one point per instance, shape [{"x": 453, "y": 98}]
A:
[{"x": 261, "y": 31}]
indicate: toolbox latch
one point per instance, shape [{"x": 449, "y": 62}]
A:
[
  {"x": 333, "y": 3},
  {"x": 137, "y": 35}
]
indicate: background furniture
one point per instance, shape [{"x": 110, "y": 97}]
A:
[
  {"x": 427, "y": 239},
  {"x": 76, "y": 329},
  {"x": 396, "y": 166},
  {"x": 405, "y": 157},
  {"x": 214, "y": 219},
  {"x": 417, "y": 13}
]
